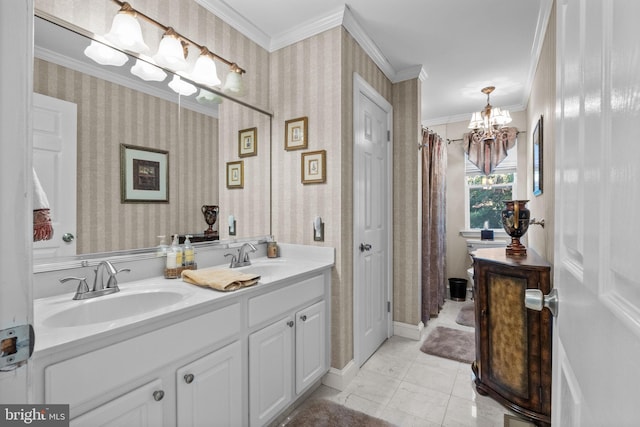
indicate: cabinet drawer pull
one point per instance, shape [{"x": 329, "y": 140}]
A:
[
  {"x": 290, "y": 323},
  {"x": 303, "y": 317},
  {"x": 188, "y": 378},
  {"x": 158, "y": 395}
]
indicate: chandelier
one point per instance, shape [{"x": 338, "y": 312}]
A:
[
  {"x": 491, "y": 121},
  {"x": 171, "y": 54}
]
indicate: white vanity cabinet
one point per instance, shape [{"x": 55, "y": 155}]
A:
[
  {"x": 140, "y": 407},
  {"x": 291, "y": 353},
  {"x": 140, "y": 377},
  {"x": 220, "y": 359},
  {"x": 209, "y": 390}
]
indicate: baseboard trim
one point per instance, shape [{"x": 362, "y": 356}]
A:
[
  {"x": 406, "y": 330},
  {"x": 340, "y": 378}
]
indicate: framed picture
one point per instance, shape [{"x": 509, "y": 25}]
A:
[
  {"x": 144, "y": 175},
  {"x": 314, "y": 165},
  {"x": 235, "y": 174},
  {"x": 248, "y": 142},
  {"x": 295, "y": 134},
  {"x": 537, "y": 159}
]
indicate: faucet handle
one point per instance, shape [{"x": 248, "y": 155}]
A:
[
  {"x": 234, "y": 260},
  {"x": 82, "y": 285}
]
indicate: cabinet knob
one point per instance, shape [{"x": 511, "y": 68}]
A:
[
  {"x": 158, "y": 395},
  {"x": 188, "y": 378},
  {"x": 303, "y": 317},
  {"x": 290, "y": 323}
]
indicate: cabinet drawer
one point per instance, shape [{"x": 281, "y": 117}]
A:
[
  {"x": 265, "y": 307},
  {"x": 90, "y": 376}
]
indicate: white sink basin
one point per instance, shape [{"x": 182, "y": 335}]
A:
[{"x": 112, "y": 307}]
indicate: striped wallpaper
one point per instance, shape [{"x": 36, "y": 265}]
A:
[
  {"x": 110, "y": 115},
  {"x": 312, "y": 78}
]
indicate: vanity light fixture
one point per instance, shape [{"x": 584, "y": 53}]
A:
[
  {"x": 146, "y": 69},
  {"x": 125, "y": 31},
  {"x": 491, "y": 120},
  {"x": 204, "y": 71},
  {"x": 208, "y": 98},
  {"x": 172, "y": 52},
  {"x": 181, "y": 87},
  {"x": 105, "y": 55}
]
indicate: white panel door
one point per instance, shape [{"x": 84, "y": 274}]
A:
[
  {"x": 210, "y": 389},
  {"x": 597, "y": 331},
  {"x": 54, "y": 160},
  {"x": 372, "y": 198}
]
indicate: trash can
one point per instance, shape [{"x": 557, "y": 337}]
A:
[{"x": 458, "y": 289}]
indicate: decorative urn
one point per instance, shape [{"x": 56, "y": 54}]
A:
[
  {"x": 515, "y": 221},
  {"x": 210, "y": 213}
]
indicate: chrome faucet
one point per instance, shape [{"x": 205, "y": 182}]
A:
[
  {"x": 99, "y": 286},
  {"x": 242, "y": 259}
]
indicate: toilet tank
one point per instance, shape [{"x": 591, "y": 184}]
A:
[{"x": 473, "y": 244}]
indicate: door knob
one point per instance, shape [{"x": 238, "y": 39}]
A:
[
  {"x": 365, "y": 247},
  {"x": 158, "y": 395},
  {"x": 188, "y": 378},
  {"x": 68, "y": 237},
  {"x": 535, "y": 300}
]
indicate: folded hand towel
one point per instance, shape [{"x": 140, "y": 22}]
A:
[{"x": 220, "y": 279}]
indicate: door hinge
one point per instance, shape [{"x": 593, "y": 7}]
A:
[
  {"x": 388, "y": 136},
  {"x": 17, "y": 345},
  {"x": 388, "y": 306}
]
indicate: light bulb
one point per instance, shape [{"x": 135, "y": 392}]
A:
[
  {"x": 171, "y": 53},
  {"x": 105, "y": 55},
  {"x": 126, "y": 32}
]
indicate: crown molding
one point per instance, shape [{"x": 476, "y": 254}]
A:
[
  {"x": 132, "y": 83},
  {"x": 536, "y": 48},
  {"x": 307, "y": 29},
  {"x": 229, "y": 15},
  {"x": 415, "y": 72},
  {"x": 341, "y": 16}
]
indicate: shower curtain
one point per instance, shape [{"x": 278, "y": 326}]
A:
[{"x": 434, "y": 165}]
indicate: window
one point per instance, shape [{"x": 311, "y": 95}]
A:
[{"x": 485, "y": 194}]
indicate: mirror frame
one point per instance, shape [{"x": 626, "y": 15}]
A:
[{"x": 83, "y": 260}]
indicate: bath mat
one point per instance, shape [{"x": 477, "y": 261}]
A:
[
  {"x": 466, "y": 315},
  {"x": 450, "y": 344},
  {"x": 324, "y": 413}
]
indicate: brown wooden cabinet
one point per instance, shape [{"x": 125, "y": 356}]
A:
[{"x": 513, "y": 343}]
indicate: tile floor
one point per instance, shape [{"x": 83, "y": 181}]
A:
[{"x": 409, "y": 388}]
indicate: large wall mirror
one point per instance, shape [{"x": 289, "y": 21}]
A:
[{"x": 199, "y": 138}]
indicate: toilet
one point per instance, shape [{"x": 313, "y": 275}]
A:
[{"x": 474, "y": 244}]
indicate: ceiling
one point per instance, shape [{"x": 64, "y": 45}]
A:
[{"x": 457, "y": 46}]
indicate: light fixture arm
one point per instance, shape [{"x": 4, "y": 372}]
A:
[{"x": 126, "y": 7}]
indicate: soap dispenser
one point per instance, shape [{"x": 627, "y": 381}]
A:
[
  {"x": 189, "y": 253},
  {"x": 175, "y": 246}
]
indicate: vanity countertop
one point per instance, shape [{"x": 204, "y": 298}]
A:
[{"x": 59, "y": 321}]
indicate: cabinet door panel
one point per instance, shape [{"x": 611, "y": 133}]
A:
[
  {"x": 136, "y": 408},
  {"x": 310, "y": 345},
  {"x": 209, "y": 389},
  {"x": 270, "y": 370}
]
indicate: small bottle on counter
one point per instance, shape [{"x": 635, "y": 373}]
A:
[
  {"x": 272, "y": 250},
  {"x": 175, "y": 246},
  {"x": 171, "y": 266},
  {"x": 189, "y": 253}
]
